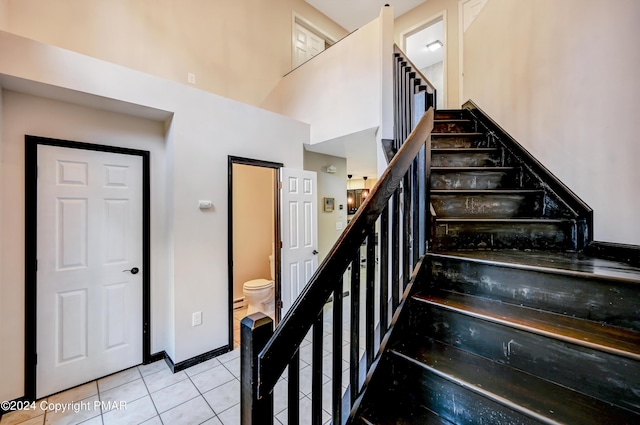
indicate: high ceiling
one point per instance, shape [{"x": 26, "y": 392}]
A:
[{"x": 352, "y": 14}]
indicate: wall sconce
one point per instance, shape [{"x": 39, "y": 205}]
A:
[{"x": 331, "y": 169}]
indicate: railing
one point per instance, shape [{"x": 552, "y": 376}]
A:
[{"x": 395, "y": 238}]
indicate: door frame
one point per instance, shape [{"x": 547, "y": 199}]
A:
[
  {"x": 277, "y": 237},
  {"x": 31, "y": 234},
  {"x": 297, "y": 19},
  {"x": 440, "y": 16}
]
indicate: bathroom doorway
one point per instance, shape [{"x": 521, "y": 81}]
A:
[{"x": 254, "y": 232}]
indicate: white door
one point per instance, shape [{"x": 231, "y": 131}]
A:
[
  {"x": 299, "y": 233},
  {"x": 89, "y": 298},
  {"x": 306, "y": 44}
]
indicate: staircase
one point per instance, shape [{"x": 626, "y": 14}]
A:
[{"x": 508, "y": 320}]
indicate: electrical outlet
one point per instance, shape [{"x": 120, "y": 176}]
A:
[
  {"x": 191, "y": 77},
  {"x": 196, "y": 319}
]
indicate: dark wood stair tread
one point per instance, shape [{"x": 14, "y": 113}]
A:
[
  {"x": 594, "y": 335},
  {"x": 464, "y": 150},
  {"x": 448, "y": 169},
  {"x": 504, "y": 220},
  {"x": 450, "y": 134},
  {"x": 556, "y": 262},
  {"x": 519, "y": 391},
  {"x": 405, "y": 414},
  {"x": 486, "y": 191}
]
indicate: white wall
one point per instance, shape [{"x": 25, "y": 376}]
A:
[
  {"x": 562, "y": 78},
  {"x": 435, "y": 75},
  {"x": 204, "y": 129},
  {"x": 330, "y": 185},
  {"x": 25, "y": 114},
  {"x": 342, "y": 90}
]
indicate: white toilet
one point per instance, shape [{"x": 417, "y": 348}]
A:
[{"x": 259, "y": 293}]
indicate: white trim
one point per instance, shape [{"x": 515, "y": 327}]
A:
[
  {"x": 441, "y": 16},
  {"x": 299, "y": 19}
]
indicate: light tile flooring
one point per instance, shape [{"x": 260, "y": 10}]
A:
[{"x": 207, "y": 393}]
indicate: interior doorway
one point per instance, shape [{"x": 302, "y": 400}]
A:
[
  {"x": 87, "y": 237},
  {"x": 307, "y": 41},
  {"x": 426, "y": 47},
  {"x": 254, "y": 234}
]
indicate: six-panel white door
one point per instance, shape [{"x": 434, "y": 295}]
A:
[
  {"x": 306, "y": 44},
  {"x": 299, "y": 233},
  {"x": 89, "y": 302}
]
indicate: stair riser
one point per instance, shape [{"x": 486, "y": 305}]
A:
[
  {"x": 449, "y": 115},
  {"x": 466, "y": 159},
  {"x": 599, "y": 374},
  {"x": 466, "y": 236},
  {"x": 470, "y": 180},
  {"x": 449, "y": 400},
  {"x": 453, "y": 127},
  {"x": 596, "y": 298},
  {"x": 488, "y": 206},
  {"x": 459, "y": 141}
]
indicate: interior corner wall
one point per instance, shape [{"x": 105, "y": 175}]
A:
[
  {"x": 330, "y": 185},
  {"x": 348, "y": 71},
  {"x": 25, "y": 114},
  {"x": 222, "y": 43},
  {"x": 419, "y": 16},
  {"x": 561, "y": 78}
]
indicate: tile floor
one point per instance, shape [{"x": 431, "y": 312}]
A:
[{"x": 207, "y": 393}]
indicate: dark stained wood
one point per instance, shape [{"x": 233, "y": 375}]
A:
[
  {"x": 550, "y": 182},
  {"x": 336, "y": 372},
  {"x": 466, "y": 388},
  {"x": 370, "y": 279},
  {"x": 293, "y": 389},
  {"x": 255, "y": 331},
  {"x": 354, "y": 355},
  {"x": 610, "y": 298}
]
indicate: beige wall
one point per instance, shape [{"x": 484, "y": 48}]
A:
[
  {"x": 4, "y": 18},
  {"x": 562, "y": 78},
  {"x": 421, "y": 15},
  {"x": 253, "y": 224},
  {"x": 329, "y": 186},
  {"x": 237, "y": 49}
]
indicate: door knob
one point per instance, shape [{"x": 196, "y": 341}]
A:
[
  {"x": 134, "y": 270},
  {"x": 314, "y": 252}
]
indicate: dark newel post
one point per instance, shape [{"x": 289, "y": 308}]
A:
[{"x": 255, "y": 331}]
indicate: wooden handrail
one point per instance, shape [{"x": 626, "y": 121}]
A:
[
  {"x": 397, "y": 49},
  {"x": 283, "y": 345}
]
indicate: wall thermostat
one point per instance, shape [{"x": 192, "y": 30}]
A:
[{"x": 203, "y": 205}]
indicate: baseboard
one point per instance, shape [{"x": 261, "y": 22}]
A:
[
  {"x": 185, "y": 364},
  {"x": 629, "y": 254}
]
